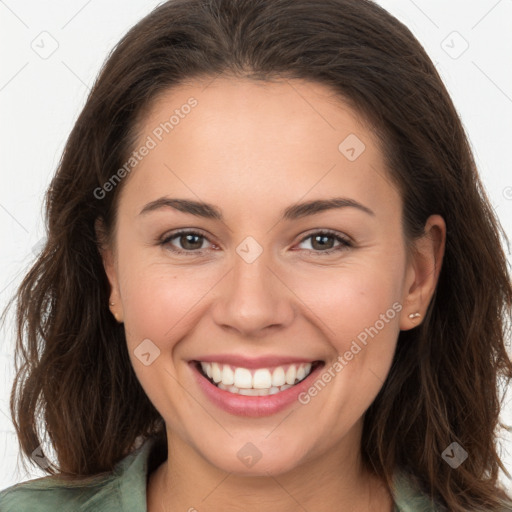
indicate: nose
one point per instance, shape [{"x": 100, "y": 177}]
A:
[{"x": 253, "y": 299}]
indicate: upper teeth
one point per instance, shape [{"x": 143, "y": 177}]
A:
[{"x": 261, "y": 378}]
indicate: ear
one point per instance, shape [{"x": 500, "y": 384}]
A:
[
  {"x": 423, "y": 269},
  {"x": 109, "y": 264}
]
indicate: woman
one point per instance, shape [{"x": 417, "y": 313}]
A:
[{"x": 272, "y": 279}]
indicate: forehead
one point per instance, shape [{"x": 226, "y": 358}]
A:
[
  {"x": 264, "y": 109},
  {"x": 246, "y": 139}
]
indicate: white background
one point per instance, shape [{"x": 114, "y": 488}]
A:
[{"x": 40, "y": 99}]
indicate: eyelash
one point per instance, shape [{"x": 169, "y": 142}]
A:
[{"x": 345, "y": 243}]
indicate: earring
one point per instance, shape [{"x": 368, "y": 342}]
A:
[
  {"x": 115, "y": 315},
  {"x": 412, "y": 316}
]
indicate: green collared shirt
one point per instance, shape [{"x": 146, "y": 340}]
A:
[{"x": 124, "y": 489}]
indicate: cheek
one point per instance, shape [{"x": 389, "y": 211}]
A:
[
  {"x": 354, "y": 297},
  {"x": 160, "y": 304},
  {"x": 357, "y": 307},
  {"x": 161, "y": 301}
]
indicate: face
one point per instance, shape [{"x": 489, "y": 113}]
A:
[{"x": 257, "y": 284}]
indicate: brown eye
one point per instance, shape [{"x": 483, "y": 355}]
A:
[
  {"x": 190, "y": 242},
  {"x": 184, "y": 242},
  {"x": 324, "y": 242}
]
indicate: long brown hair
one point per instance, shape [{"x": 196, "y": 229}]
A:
[{"x": 74, "y": 375}]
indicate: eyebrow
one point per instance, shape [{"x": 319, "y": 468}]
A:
[{"x": 296, "y": 211}]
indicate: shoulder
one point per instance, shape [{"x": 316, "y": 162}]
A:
[
  {"x": 408, "y": 496},
  {"x": 49, "y": 493},
  {"x": 124, "y": 488}
]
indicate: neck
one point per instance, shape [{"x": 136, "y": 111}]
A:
[{"x": 333, "y": 481}]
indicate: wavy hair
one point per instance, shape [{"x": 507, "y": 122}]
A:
[{"x": 73, "y": 373}]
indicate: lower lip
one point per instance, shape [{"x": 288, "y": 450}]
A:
[{"x": 253, "y": 406}]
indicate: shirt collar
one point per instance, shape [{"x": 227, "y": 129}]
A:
[{"x": 125, "y": 488}]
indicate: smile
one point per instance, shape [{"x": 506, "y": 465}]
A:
[{"x": 258, "y": 381}]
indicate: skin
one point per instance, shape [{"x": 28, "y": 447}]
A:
[{"x": 253, "y": 149}]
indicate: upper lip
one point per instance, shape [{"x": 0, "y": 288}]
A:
[{"x": 253, "y": 362}]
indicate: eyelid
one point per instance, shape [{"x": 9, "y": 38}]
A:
[
  {"x": 183, "y": 231},
  {"x": 331, "y": 232}
]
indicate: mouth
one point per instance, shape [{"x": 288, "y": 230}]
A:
[{"x": 255, "y": 381}]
